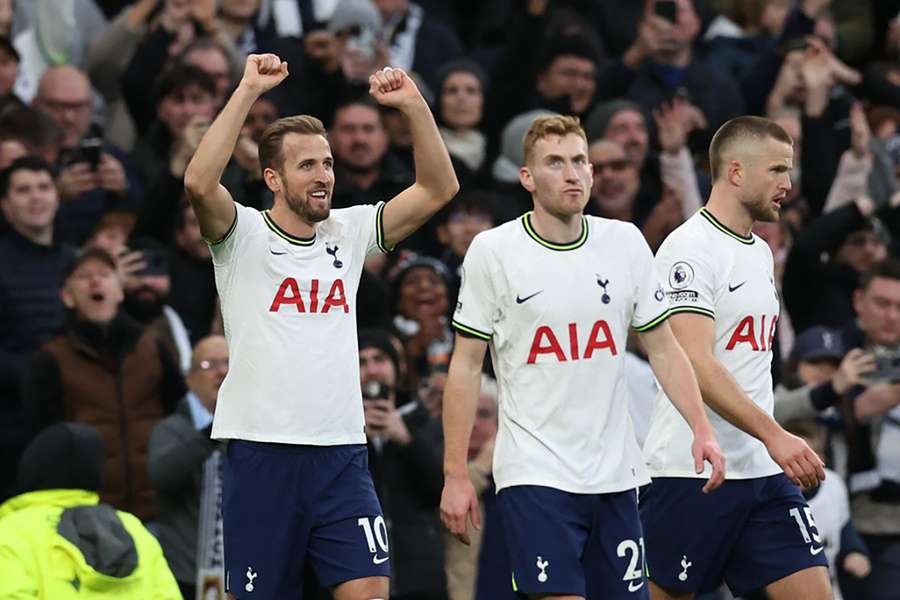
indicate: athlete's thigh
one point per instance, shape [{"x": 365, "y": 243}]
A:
[
  {"x": 349, "y": 538},
  {"x": 546, "y": 530},
  {"x": 780, "y": 538},
  {"x": 614, "y": 559},
  {"x": 264, "y": 529},
  {"x": 690, "y": 535}
]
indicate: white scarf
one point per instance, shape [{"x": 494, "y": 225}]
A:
[
  {"x": 210, "y": 547},
  {"x": 467, "y": 146}
]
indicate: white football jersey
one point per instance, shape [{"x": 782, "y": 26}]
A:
[
  {"x": 557, "y": 317},
  {"x": 289, "y": 309},
  {"x": 710, "y": 270}
]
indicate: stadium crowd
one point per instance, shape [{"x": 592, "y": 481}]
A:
[{"x": 108, "y": 309}]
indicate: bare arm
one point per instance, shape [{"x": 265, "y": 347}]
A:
[
  {"x": 460, "y": 401},
  {"x": 435, "y": 181},
  {"x": 212, "y": 203},
  {"x": 675, "y": 375},
  {"x": 722, "y": 393}
]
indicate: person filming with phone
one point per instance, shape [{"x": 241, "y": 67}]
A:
[
  {"x": 92, "y": 176},
  {"x": 405, "y": 450},
  {"x": 872, "y": 424}
]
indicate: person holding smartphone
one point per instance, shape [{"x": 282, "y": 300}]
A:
[{"x": 91, "y": 175}]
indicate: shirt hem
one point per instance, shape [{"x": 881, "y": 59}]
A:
[
  {"x": 690, "y": 474},
  {"x": 288, "y": 439},
  {"x": 605, "y": 488}
]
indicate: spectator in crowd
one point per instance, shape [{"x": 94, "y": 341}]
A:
[
  {"x": 818, "y": 374},
  {"x": 873, "y": 436},
  {"x": 829, "y": 502},
  {"x": 31, "y": 272},
  {"x": 193, "y": 293},
  {"x": 458, "y": 223},
  {"x": 825, "y": 262},
  {"x": 515, "y": 201},
  {"x": 185, "y": 104},
  {"x": 106, "y": 371},
  {"x": 180, "y": 447},
  {"x": 364, "y": 170},
  {"x": 218, "y": 61},
  {"x": 9, "y": 69},
  {"x": 56, "y": 539},
  {"x": 460, "y": 87},
  {"x": 26, "y": 131},
  {"x": 147, "y": 285},
  {"x": 668, "y": 67},
  {"x": 405, "y": 461},
  {"x": 415, "y": 40},
  {"x": 420, "y": 291},
  {"x": 112, "y": 231},
  {"x": 92, "y": 176},
  {"x": 462, "y": 560}
]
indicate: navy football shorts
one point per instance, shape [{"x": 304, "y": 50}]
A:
[
  {"x": 748, "y": 532},
  {"x": 587, "y": 545},
  {"x": 285, "y": 504}
]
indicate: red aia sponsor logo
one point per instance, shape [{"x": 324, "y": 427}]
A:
[
  {"x": 288, "y": 295},
  {"x": 546, "y": 342},
  {"x": 754, "y": 332}
]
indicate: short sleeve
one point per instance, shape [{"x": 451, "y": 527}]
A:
[
  {"x": 651, "y": 306},
  {"x": 224, "y": 249},
  {"x": 375, "y": 231},
  {"x": 687, "y": 277},
  {"x": 476, "y": 306}
]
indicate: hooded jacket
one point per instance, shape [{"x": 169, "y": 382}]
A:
[{"x": 58, "y": 543}]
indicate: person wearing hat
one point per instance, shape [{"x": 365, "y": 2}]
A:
[
  {"x": 818, "y": 373},
  {"x": 405, "y": 444},
  {"x": 420, "y": 297},
  {"x": 107, "y": 371},
  {"x": 58, "y": 540},
  {"x": 31, "y": 272}
]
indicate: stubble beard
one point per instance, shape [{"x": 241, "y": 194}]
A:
[{"x": 303, "y": 209}]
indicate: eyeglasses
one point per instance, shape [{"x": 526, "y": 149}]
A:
[
  {"x": 617, "y": 165},
  {"x": 207, "y": 365},
  {"x": 864, "y": 240}
]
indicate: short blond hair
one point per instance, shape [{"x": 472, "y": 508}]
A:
[{"x": 561, "y": 125}]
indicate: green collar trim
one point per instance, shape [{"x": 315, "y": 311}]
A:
[
  {"x": 718, "y": 225},
  {"x": 285, "y": 235},
  {"x": 578, "y": 243}
]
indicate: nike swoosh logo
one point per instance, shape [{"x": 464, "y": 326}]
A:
[
  {"x": 276, "y": 253},
  {"x": 731, "y": 288},
  {"x": 520, "y": 300},
  {"x": 815, "y": 551},
  {"x": 634, "y": 588},
  {"x": 378, "y": 561}
]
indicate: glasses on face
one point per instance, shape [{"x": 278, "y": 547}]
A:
[
  {"x": 462, "y": 217},
  {"x": 63, "y": 106},
  {"x": 616, "y": 165},
  {"x": 208, "y": 365}
]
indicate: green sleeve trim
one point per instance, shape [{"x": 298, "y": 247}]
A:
[
  {"x": 693, "y": 309},
  {"x": 653, "y": 323},
  {"x": 379, "y": 229},
  {"x": 227, "y": 233},
  {"x": 471, "y": 331}
]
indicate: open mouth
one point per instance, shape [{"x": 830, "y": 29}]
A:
[{"x": 97, "y": 297}]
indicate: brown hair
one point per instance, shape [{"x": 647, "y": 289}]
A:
[
  {"x": 740, "y": 129},
  {"x": 888, "y": 268},
  {"x": 270, "y": 156},
  {"x": 542, "y": 127}
]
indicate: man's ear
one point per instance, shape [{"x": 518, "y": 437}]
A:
[
  {"x": 526, "y": 179},
  {"x": 273, "y": 180},
  {"x": 66, "y": 296}
]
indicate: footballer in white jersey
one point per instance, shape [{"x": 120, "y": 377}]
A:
[
  {"x": 719, "y": 280},
  {"x": 296, "y": 484},
  {"x": 555, "y": 294}
]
